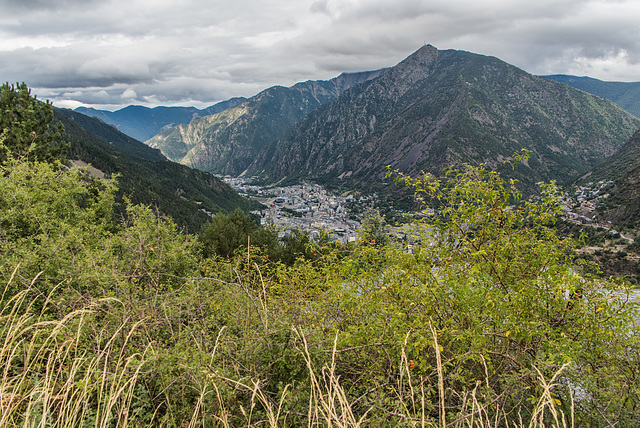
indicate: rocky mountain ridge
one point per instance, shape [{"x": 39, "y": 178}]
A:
[
  {"x": 433, "y": 110},
  {"x": 228, "y": 142},
  {"x": 440, "y": 108}
]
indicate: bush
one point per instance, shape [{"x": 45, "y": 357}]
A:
[{"x": 500, "y": 288}]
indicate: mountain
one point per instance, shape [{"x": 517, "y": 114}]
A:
[
  {"x": 623, "y": 168},
  {"x": 228, "y": 142},
  {"x": 441, "y": 108},
  {"x": 625, "y": 94},
  {"x": 110, "y": 134},
  {"x": 143, "y": 123},
  {"x": 145, "y": 175}
]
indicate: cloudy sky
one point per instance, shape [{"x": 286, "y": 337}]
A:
[{"x": 112, "y": 53}]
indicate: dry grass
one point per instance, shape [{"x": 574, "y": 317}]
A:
[
  {"x": 56, "y": 375},
  {"x": 329, "y": 404},
  {"x": 52, "y": 377}
]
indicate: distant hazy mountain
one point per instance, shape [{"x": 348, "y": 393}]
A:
[
  {"x": 143, "y": 123},
  {"x": 441, "y": 108},
  {"x": 229, "y": 141},
  {"x": 625, "y": 94},
  {"x": 145, "y": 175}
]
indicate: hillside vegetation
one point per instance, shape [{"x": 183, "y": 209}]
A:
[
  {"x": 145, "y": 175},
  {"x": 625, "y": 94},
  {"x": 487, "y": 322},
  {"x": 130, "y": 324}
]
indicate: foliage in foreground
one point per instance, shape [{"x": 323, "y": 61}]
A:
[{"x": 487, "y": 322}]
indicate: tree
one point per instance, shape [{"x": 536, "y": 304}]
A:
[
  {"x": 374, "y": 230},
  {"x": 25, "y": 126},
  {"x": 298, "y": 244},
  {"x": 51, "y": 222},
  {"x": 225, "y": 233}
]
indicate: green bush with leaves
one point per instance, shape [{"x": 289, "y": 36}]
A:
[
  {"x": 51, "y": 222},
  {"x": 226, "y": 233},
  {"x": 374, "y": 230},
  {"x": 501, "y": 290}
]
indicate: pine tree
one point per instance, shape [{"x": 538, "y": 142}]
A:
[{"x": 25, "y": 127}]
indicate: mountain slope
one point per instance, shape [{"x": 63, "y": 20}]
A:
[
  {"x": 229, "y": 141},
  {"x": 441, "y": 108},
  {"x": 111, "y": 135},
  {"x": 623, "y": 168},
  {"x": 625, "y": 94},
  {"x": 145, "y": 175},
  {"x": 143, "y": 123}
]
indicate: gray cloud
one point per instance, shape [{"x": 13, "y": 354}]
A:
[
  {"x": 48, "y": 5},
  {"x": 193, "y": 52}
]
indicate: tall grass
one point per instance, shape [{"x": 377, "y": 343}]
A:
[
  {"x": 330, "y": 406},
  {"x": 72, "y": 372},
  {"x": 63, "y": 372}
]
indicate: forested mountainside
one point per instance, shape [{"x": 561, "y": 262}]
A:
[
  {"x": 441, "y": 108},
  {"x": 229, "y": 141},
  {"x": 145, "y": 175},
  {"x": 625, "y": 94},
  {"x": 143, "y": 123},
  {"x": 622, "y": 205}
]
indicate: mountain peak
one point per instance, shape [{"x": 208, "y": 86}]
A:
[
  {"x": 425, "y": 50},
  {"x": 439, "y": 108},
  {"x": 426, "y": 53},
  {"x": 435, "y": 109},
  {"x": 420, "y": 60}
]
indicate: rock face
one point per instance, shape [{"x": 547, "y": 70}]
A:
[
  {"x": 440, "y": 108},
  {"x": 228, "y": 142}
]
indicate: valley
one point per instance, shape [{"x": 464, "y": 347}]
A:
[{"x": 432, "y": 111}]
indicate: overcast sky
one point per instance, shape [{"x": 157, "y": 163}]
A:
[{"x": 112, "y": 53}]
